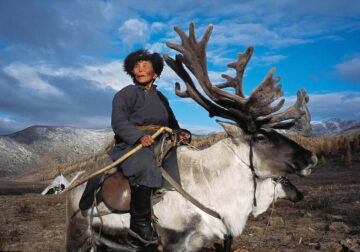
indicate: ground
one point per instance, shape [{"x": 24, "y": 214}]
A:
[{"x": 328, "y": 219}]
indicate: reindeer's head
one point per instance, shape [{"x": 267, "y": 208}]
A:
[
  {"x": 270, "y": 190},
  {"x": 254, "y": 116},
  {"x": 284, "y": 189}
]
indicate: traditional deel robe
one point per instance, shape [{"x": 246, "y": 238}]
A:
[{"x": 135, "y": 106}]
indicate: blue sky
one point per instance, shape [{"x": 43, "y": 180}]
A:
[{"x": 61, "y": 61}]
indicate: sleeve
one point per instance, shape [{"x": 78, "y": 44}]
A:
[
  {"x": 173, "y": 123},
  {"x": 122, "y": 103}
]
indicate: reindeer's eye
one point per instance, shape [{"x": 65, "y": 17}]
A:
[{"x": 260, "y": 137}]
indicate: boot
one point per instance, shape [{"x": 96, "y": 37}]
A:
[{"x": 140, "y": 211}]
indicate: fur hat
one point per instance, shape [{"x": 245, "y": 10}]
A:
[{"x": 141, "y": 54}]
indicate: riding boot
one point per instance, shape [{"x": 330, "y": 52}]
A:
[{"x": 140, "y": 211}]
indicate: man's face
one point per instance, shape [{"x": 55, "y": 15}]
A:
[{"x": 144, "y": 72}]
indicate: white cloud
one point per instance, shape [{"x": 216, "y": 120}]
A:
[
  {"x": 107, "y": 75},
  {"x": 158, "y": 27},
  {"x": 157, "y": 47},
  {"x": 134, "y": 31},
  {"x": 5, "y": 120},
  {"x": 254, "y": 34},
  {"x": 269, "y": 59},
  {"x": 350, "y": 70},
  {"x": 8, "y": 125},
  {"x": 28, "y": 78}
]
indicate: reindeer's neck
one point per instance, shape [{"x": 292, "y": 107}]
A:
[
  {"x": 221, "y": 179},
  {"x": 265, "y": 191},
  {"x": 208, "y": 164}
]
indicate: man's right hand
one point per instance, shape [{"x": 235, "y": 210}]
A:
[{"x": 146, "y": 140}]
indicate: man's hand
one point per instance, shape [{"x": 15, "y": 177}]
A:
[
  {"x": 146, "y": 140},
  {"x": 184, "y": 137}
]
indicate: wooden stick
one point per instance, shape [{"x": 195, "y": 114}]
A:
[{"x": 128, "y": 154}]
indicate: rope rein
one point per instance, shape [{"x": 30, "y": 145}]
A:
[{"x": 272, "y": 209}]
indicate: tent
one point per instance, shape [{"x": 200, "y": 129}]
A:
[{"x": 56, "y": 186}]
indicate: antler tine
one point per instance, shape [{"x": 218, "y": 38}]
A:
[
  {"x": 179, "y": 93},
  {"x": 194, "y": 57},
  {"x": 191, "y": 91},
  {"x": 295, "y": 112},
  {"x": 191, "y": 49},
  {"x": 302, "y": 125},
  {"x": 239, "y": 66},
  {"x": 264, "y": 95},
  {"x": 183, "y": 38},
  {"x": 194, "y": 53}
]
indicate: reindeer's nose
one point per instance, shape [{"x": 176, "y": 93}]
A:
[{"x": 299, "y": 196}]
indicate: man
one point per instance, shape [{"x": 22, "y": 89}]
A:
[{"x": 136, "y": 112}]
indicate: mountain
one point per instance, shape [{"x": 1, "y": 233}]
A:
[
  {"x": 41, "y": 147},
  {"x": 38, "y": 147},
  {"x": 348, "y": 132},
  {"x": 332, "y": 126}
]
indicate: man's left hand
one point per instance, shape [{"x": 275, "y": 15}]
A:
[{"x": 184, "y": 137}]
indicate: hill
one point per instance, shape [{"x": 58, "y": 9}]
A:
[
  {"x": 39, "y": 147},
  {"x": 332, "y": 126}
]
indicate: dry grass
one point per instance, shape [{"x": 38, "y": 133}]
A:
[
  {"x": 25, "y": 208},
  {"x": 347, "y": 147},
  {"x": 205, "y": 142}
]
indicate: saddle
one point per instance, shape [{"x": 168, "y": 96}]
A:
[
  {"x": 111, "y": 189},
  {"x": 114, "y": 189},
  {"x": 115, "y": 192}
]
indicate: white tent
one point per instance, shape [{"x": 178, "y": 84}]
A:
[{"x": 57, "y": 185}]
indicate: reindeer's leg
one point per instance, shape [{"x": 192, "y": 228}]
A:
[
  {"x": 78, "y": 226},
  {"x": 227, "y": 242}
]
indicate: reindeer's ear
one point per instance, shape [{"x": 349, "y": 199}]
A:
[{"x": 233, "y": 130}]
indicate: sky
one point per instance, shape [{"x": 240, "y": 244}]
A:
[{"x": 61, "y": 62}]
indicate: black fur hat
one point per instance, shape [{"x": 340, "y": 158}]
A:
[{"x": 141, "y": 54}]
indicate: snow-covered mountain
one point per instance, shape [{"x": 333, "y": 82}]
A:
[
  {"x": 37, "y": 147},
  {"x": 332, "y": 126}
]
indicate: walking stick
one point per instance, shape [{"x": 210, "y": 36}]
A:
[{"x": 115, "y": 163}]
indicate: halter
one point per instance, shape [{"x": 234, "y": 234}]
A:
[{"x": 255, "y": 176}]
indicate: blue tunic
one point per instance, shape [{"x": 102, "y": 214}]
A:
[{"x": 135, "y": 106}]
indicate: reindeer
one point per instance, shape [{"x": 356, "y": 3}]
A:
[
  {"x": 230, "y": 176},
  {"x": 112, "y": 224}
]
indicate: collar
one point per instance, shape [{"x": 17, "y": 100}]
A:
[{"x": 153, "y": 87}]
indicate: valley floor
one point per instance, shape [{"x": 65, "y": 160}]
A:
[{"x": 328, "y": 219}]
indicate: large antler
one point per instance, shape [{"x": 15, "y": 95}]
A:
[{"x": 250, "y": 113}]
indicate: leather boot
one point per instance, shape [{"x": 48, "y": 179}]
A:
[{"x": 140, "y": 211}]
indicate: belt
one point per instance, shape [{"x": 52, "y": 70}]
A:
[
  {"x": 146, "y": 127},
  {"x": 149, "y": 127}
]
